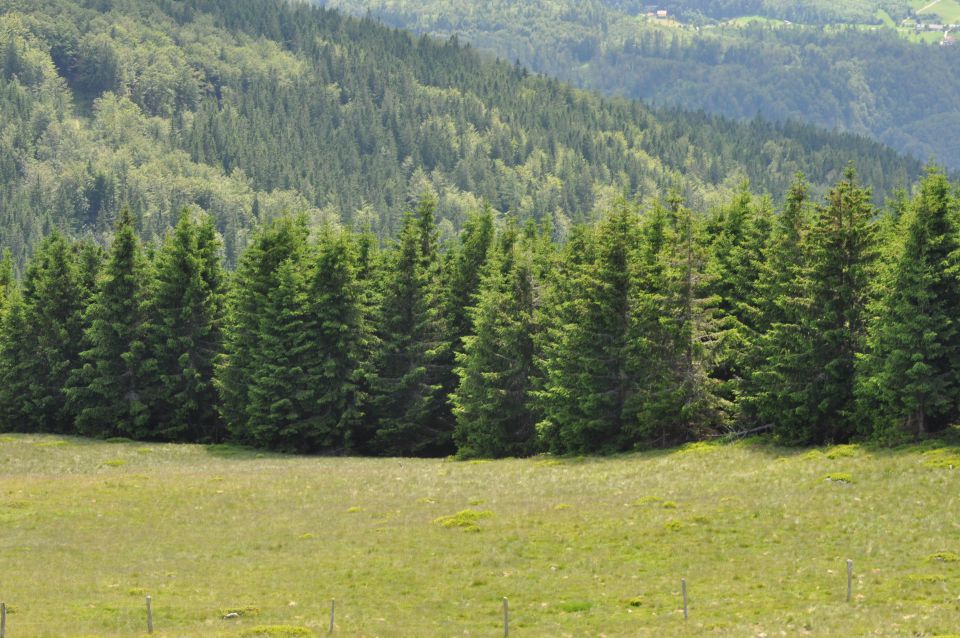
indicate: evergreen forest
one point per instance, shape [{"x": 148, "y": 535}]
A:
[
  {"x": 269, "y": 223},
  {"x": 838, "y": 65},
  {"x": 249, "y": 108},
  {"x": 819, "y": 319}
]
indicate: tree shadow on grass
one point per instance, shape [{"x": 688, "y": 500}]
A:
[{"x": 231, "y": 451}]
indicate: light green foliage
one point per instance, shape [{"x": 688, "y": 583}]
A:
[
  {"x": 760, "y": 537},
  {"x": 277, "y": 631},
  {"x": 464, "y": 519},
  {"x": 838, "y": 477}
]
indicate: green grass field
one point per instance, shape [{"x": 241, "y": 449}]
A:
[
  {"x": 582, "y": 547},
  {"x": 948, "y": 10}
]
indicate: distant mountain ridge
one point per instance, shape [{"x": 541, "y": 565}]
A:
[
  {"x": 248, "y": 108},
  {"x": 839, "y": 71}
]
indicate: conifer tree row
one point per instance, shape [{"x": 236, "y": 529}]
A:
[{"x": 824, "y": 321}]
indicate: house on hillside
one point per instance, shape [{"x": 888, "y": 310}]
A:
[{"x": 662, "y": 13}]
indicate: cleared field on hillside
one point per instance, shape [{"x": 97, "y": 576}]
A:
[
  {"x": 948, "y": 10},
  {"x": 582, "y": 547}
]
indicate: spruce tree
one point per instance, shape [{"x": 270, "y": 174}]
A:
[
  {"x": 369, "y": 281},
  {"x": 256, "y": 277},
  {"x": 409, "y": 410},
  {"x": 740, "y": 232},
  {"x": 458, "y": 291},
  {"x": 185, "y": 334},
  {"x": 674, "y": 332},
  {"x": 43, "y": 340},
  {"x": 774, "y": 384},
  {"x": 466, "y": 271},
  {"x": 812, "y": 372},
  {"x": 911, "y": 375},
  {"x": 561, "y": 273},
  {"x": 589, "y": 378},
  {"x": 491, "y": 404},
  {"x": 282, "y": 391},
  {"x": 107, "y": 392},
  {"x": 339, "y": 340}
]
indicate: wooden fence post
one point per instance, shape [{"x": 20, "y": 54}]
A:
[
  {"x": 506, "y": 617},
  {"x": 149, "y": 616},
  {"x": 683, "y": 589},
  {"x": 849, "y": 580}
]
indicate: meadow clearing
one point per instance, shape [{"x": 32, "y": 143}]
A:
[{"x": 407, "y": 547}]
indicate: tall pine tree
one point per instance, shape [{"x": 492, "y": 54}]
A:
[
  {"x": 492, "y": 403},
  {"x": 42, "y": 340},
  {"x": 813, "y": 371},
  {"x": 409, "y": 410},
  {"x": 589, "y": 372},
  {"x": 739, "y": 236},
  {"x": 340, "y": 339},
  {"x": 775, "y": 386},
  {"x": 185, "y": 333},
  {"x": 256, "y": 278},
  {"x": 107, "y": 392},
  {"x": 674, "y": 332},
  {"x": 911, "y": 373}
]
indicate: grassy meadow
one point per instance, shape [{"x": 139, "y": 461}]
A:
[
  {"x": 947, "y": 10},
  {"x": 582, "y": 547}
]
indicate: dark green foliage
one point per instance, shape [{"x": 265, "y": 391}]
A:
[
  {"x": 911, "y": 372},
  {"x": 256, "y": 279},
  {"x": 740, "y": 232},
  {"x": 248, "y": 109},
  {"x": 494, "y": 415},
  {"x": 842, "y": 250},
  {"x": 466, "y": 268},
  {"x": 107, "y": 392},
  {"x": 281, "y": 390},
  {"x": 640, "y": 331},
  {"x": 41, "y": 340},
  {"x": 675, "y": 332},
  {"x": 185, "y": 311},
  {"x": 810, "y": 378},
  {"x": 775, "y": 384},
  {"x": 408, "y": 408},
  {"x": 867, "y": 81},
  {"x": 339, "y": 341},
  {"x": 588, "y": 368}
]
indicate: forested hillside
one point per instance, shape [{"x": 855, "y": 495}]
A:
[
  {"x": 822, "y": 320},
  {"x": 805, "y": 11},
  {"x": 248, "y": 108},
  {"x": 854, "y": 78}
]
